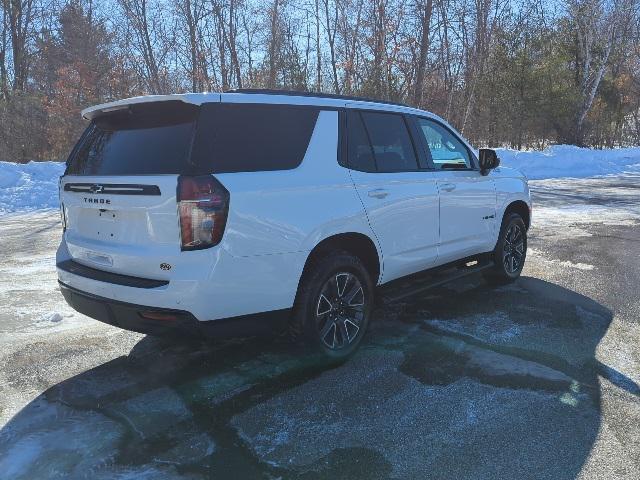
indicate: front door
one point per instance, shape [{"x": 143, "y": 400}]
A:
[{"x": 467, "y": 198}]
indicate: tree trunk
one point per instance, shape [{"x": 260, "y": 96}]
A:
[
  {"x": 4, "y": 79},
  {"x": 351, "y": 41},
  {"x": 193, "y": 45},
  {"x": 426, "y": 9},
  {"x": 331, "y": 34},
  {"x": 19, "y": 20},
  {"x": 273, "y": 42},
  {"x": 233, "y": 47},
  {"x": 318, "y": 49}
]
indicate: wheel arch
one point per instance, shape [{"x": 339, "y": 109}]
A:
[
  {"x": 358, "y": 244},
  {"x": 521, "y": 208}
]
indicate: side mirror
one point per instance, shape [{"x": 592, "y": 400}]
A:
[{"x": 488, "y": 160}]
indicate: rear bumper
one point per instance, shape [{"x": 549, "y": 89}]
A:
[
  {"x": 129, "y": 317},
  {"x": 221, "y": 286},
  {"x": 80, "y": 270}
]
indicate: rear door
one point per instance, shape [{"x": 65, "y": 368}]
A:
[
  {"x": 400, "y": 197},
  {"x": 467, "y": 198},
  {"x": 119, "y": 189}
]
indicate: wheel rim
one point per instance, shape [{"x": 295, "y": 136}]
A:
[
  {"x": 513, "y": 251},
  {"x": 340, "y": 310}
]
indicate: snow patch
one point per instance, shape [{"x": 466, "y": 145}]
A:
[
  {"x": 541, "y": 256},
  {"x": 575, "y": 215},
  {"x": 578, "y": 265},
  {"x": 29, "y": 186},
  {"x": 497, "y": 328},
  {"x": 53, "y": 317},
  {"x": 570, "y": 161}
]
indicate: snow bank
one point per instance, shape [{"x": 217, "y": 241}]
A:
[
  {"x": 570, "y": 161},
  {"x": 34, "y": 185},
  {"x": 29, "y": 186}
]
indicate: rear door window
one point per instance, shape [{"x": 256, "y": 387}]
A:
[
  {"x": 391, "y": 143},
  {"x": 359, "y": 153},
  {"x": 141, "y": 139},
  {"x": 236, "y": 137}
]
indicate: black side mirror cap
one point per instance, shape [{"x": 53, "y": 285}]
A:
[{"x": 488, "y": 160}]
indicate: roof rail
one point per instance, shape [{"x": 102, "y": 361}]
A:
[{"x": 268, "y": 91}]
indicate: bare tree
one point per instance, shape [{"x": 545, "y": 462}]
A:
[
  {"x": 150, "y": 38},
  {"x": 485, "y": 15},
  {"x": 191, "y": 13},
  {"x": 424, "y": 10},
  {"x": 19, "y": 18},
  {"x": 331, "y": 16},
  {"x": 232, "y": 42},
  {"x": 4, "y": 42},
  {"x": 555, "y": 71},
  {"x": 274, "y": 43},
  {"x": 246, "y": 32},
  {"x": 318, "y": 47},
  {"x": 598, "y": 28},
  {"x": 349, "y": 31},
  {"x": 377, "y": 41}
]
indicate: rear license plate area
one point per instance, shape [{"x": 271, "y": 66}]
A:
[{"x": 103, "y": 225}]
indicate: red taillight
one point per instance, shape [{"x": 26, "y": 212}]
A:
[{"x": 203, "y": 204}]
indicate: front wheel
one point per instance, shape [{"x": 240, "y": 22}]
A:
[
  {"x": 510, "y": 252},
  {"x": 334, "y": 304}
]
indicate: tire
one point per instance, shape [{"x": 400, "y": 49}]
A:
[
  {"x": 510, "y": 251},
  {"x": 333, "y": 305}
]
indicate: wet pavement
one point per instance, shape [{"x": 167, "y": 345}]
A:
[{"x": 538, "y": 379}]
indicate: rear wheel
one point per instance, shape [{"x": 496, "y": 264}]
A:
[
  {"x": 510, "y": 252},
  {"x": 334, "y": 304}
]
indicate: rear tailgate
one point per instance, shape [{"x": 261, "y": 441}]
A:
[
  {"x": 118, "y": 193},
  {"x": 111, "y": 228}
]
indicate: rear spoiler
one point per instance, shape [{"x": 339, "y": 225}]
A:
[{"x": 192, "y": 98}]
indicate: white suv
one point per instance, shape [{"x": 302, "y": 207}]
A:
[{"x": 252, "y": 210}]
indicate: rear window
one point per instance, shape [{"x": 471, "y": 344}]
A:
[
  {"x": 235, "y": 137},
  {"x": 162, "y": 138},
  {"x": 142, "y": 139}
]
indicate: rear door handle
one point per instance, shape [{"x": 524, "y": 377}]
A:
[
  {"x": 378, "y": 193},
  {"x": 448, "y": 187}
]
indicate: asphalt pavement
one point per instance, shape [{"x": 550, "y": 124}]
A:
[{"x": 539, "y": 379}]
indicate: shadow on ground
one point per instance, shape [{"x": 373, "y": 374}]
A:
[{"x": 467, "y": 382}]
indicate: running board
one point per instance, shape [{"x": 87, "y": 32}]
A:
[{"x": 402, "y": 288}]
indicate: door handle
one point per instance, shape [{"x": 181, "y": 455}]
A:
[
  {"x": 448, "y": 187},
  {"x": 378, "y": 193}
]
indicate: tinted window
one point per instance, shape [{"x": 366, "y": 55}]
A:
[
  {"x": 358, "y": 146},
  {"x": 143, "y": 139},
  {"x": 391, "y": 142},
  {"x": 236, "y": 137},
  {"x": 447, "y": 151}
]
